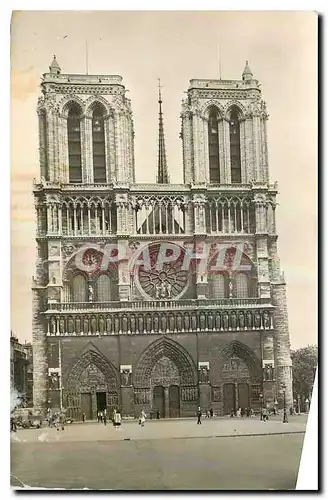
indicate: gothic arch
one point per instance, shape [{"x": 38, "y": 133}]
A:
[
  {"x": 240, "y": 109},
  {"x": 92, "y": 102},
  {"x": 172, "y": 350},
  {"x": 91, "y": 355},
  {"x": 68, "y": 101},
  {"x": 242, "y": 351},
  {"x": 209, "y": 105}
]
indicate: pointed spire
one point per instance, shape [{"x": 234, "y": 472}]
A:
[
  {"x": 162, "y": 174},
  {"x": 54, "y": 66},
  {"x": 247, "y": 73}
]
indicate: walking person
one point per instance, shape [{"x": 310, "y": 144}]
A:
[
  {"x": 199, "y": 415},
  {"x": 114, "y": 417},
  {"x": 211, "y": 412},
  {"x": 83, "y": 417},
  {"x": 232, "y": 413},
  {"x": 142, "y": 418},
  {"x": 117, "y": 420},
  {"x": 105, "y": 416}
]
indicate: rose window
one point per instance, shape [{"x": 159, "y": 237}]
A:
[{"x": 162, "y": 281}]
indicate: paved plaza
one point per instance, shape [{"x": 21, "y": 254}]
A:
[{"x": 221, "y": 453}]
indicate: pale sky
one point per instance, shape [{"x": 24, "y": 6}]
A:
[{"x": 281, "y": 48}]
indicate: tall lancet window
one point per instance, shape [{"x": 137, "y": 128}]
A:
[
  {"x": 74, "y": 145},
  {"x": 98, "y": 146},
  {"x": 213, "y": 146},
  {"x": 235, "y": 148}
]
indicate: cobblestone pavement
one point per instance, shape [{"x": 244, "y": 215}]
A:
[
  {"x": 163, "y": 429},
  {"x": 162, "y": 455}
]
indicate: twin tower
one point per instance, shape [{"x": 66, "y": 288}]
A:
[{"x": 164, "y": 339}]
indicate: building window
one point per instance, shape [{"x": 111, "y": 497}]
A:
[
  {"x": 98, "y": 146},
  {"x": 242, "y": 286},
  {"x": 103, "y": 288},
  {"x": 235, "y": 148},
  {"x": 79, "y": 289},
  {"x": 217, "y": 287},
  {"x": 74, "y": 145},
  {"x": 213, "y": 146}
]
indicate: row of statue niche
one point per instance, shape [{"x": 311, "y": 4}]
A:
[
  {"x": 163, "y": 290},
  {"x": 189, "y": 394},
  {"x": 156, "y": 323},
  {"x": 141, "y": 397}
]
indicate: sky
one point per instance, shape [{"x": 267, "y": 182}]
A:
[{"x": 176, "y": 46}]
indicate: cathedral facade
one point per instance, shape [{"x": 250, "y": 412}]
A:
[{"x": 162, "y": 297}]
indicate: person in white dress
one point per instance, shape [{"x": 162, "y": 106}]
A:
[{"x": 142, "y": 418}]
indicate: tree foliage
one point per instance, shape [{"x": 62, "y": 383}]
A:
[{"x": 305, "y": 362}]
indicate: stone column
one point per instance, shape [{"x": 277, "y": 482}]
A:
[
  {"x": 249, "y": 150},
  {"x": 283, "y": 363},
  {"x": 257, "y": 147},
  {"x": 188, "y": 174},
  {"x": 243, "y": 162},
  {"x": 226, "y": 148},
  {"x": 87, "y": 150},
  {"x": 196, "y": 148}
]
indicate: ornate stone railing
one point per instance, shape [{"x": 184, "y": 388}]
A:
[
  {"x": 197, "y": 316},
  {"x": 150, "y": 305}
]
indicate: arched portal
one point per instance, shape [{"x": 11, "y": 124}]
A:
[
  {"x": 236, "y": 375},
  {"x": 165, "y": 380},
  {"x": 91, "y": 385}
]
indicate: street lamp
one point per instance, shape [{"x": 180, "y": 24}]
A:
[
  {"x": 261, "y": 403},
  {"x": 298, "y": 404},
  {"x": 285, "y": 419}
]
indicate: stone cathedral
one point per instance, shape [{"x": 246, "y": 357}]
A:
[{"x": 162, "y": 297}]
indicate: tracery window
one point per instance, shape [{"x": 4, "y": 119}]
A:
[
  {"x": 213, "y": 146},
  {"x": 217, "y": 287},
  {"x": 98, "y": 146},
  {"x": 235, "y": 148},
  {"x": 74, "y": 145},
  {"x": 103, "y": 288},
  {"x": 79, "y": 288},
  {"x": 242, "y": 285}
]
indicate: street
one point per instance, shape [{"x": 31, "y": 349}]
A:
[{"x": 169, "y": 455}]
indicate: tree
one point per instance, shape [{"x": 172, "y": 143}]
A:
[{"x": 305, "y": 362}]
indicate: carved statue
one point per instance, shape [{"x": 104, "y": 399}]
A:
[
  {"x": 164, "y": 323},
  {"x": 241, "y": 320},
  {"x": 186, "y": 322},
  {"x": 133, "y": 323},
  {"x": 93, "y": 325},
  {"x": 217, "y": 321},
  {"x": 233, "y": 320},
  {"x": 257, "y": 320},
  {"x": 78, "y": 324},
  {"x": 210, "y": 321},
  {"x": 225, "y": 321},
  {"x": 70, "y": 325},
  {"x": 171, "y": 323},
  {"x": 266, "y": 319},
  {"x": 90, "y": 293},
  {"x": 163, "y": 290},
  {"x": 53, "y": 326},
  {"x": 203, "y": 374},
  {"x": 126, "y": 377},
  {"x": 194, "y": 322},
  {"x": 109, "y": 324},
  {"x": 85, "y": 326},
  {"x": 169, "y": 290},
  {"x": 202, "y": 322},
  {"x": 124, "y": 323},
  {"x": 140, "y": 324},
  {"x": 116, "y": 324},
  {"x": 179, "y": 323},
  {"x": 268, "y": 373},
  {"x": 62, "y": 325},
  {"x": 148, "y": 322},
  {"x": 101, "y": 325},
  {"x": 249, "y": 319},
  {"x": 156, "y": 323},
  {"x": 157, "y": 291}
]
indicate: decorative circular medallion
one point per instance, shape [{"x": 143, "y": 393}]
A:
[{"x": 162, "y": 280}]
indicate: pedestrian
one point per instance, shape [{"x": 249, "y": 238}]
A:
[
  {"x": 252, "y": 414},
  {"x": 265, "y": 415},
  {"x": 211, "y": 412},
  {"x": 117, "y": 420},
  {"x": 158, "y": 415},
  {"x": 98, "y": 416},
  {"x": 83, "y": 417},
  {"x": 114, "y": 416},
  {"x": 247, "y": 412},
  {"x": 105, "y": 416},
  {"x": 242, "y": 412},
  {"x": 142, "y": 418},
  {"x": 238, "y": 413},
  {"x": 101, "y": 416},
  {"x": 232, "y": 413},
  {"x": 208, "y": 414},
  {"x": 62, "y": 420},
  {"x": 199, "y": 415}
]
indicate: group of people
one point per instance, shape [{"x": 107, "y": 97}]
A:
[{"x": 241, "y": 412}]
